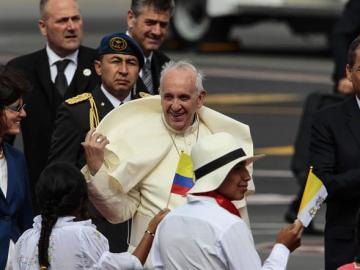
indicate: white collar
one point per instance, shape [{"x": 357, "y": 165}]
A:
[
  {"x": 358, "y": 101},
  {"x": 53, "y": 57},
  {"x": 62, "y": 222},
  {"x": 194, "y": 198},
  {"x": 113, "y": 100}
]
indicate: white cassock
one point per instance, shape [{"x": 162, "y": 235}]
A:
[{"x": 141, "y": 159}]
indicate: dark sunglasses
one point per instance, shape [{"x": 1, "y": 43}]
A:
[{"x": 15, "y": 108}]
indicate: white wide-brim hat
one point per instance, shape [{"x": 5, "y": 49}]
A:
[{"x": 213, "y": 157}]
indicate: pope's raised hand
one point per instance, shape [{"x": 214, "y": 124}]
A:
[{"x": 94, "y": 148}]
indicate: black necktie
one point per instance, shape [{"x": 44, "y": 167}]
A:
[
  {"x": 60, "y": 80},
  {"x": 147, "y": 77}
]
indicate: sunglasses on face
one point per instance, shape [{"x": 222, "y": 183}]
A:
[{"x": 15, "y": 108}]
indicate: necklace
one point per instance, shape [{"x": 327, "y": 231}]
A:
[
  {"x": 197, "y": 135},
  {"x": 1, "y": 153}
]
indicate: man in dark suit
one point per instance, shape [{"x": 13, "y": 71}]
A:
[
  {"x": 148, "y": 23},
  {"x": 61, "y": 24},
  {"x": 346, "y": 29},
  {"x": 335, "y": 155},
  {"x": 118, "y": 65}
]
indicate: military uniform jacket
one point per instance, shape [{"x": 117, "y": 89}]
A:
[
  {"x": 43, "y": 101},
  {"x": 71, "y": 126}
]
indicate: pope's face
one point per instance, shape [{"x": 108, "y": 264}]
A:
[{"x": 180, "y": 99}]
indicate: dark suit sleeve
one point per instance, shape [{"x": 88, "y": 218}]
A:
[
  {"x": 324, "y": 158},
  {"x": 67, "y": 137},
  {"x": 25, "y": 216}
]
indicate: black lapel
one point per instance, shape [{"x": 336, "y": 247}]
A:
[
  {"x": 103, "y": 105},
  {"x": 139, "y": 88},
  {"x": 42, "y": 70},
  {"x": 352, "y": 112},
  {"x": 83, "y": 74},
  {"x": 156, "y": 67}
]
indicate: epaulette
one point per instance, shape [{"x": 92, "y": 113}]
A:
[
  {"x": 93, "y": 113},
  {"x": 144, "y": 94},
  {"x": 78, "y": 98}
]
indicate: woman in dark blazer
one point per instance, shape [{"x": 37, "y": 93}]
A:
[{"x": 15, "y": 201}]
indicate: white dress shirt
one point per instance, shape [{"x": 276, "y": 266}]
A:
[
  {"x": 73, "y": 245},
  {"x": 3, "y": 176},
  {"x": 70, "y": 68},
  {"x": 113, "y": 100},
  {"x": 203, "y": 235},
  {"x": 358, "y": 101}
]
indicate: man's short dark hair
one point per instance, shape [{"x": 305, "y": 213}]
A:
[
  {"x": 355, "y": 44},
  {"x": 158, "y": 5}
]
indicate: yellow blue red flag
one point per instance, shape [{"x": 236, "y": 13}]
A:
[
  {"x": 183, "y": 179},
  {"x": 314, "y": 195}
]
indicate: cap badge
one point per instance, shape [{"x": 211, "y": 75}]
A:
[{"x": 118, "y": 44}]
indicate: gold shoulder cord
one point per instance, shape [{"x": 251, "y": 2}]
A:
[{"x": 93, "y": 114}]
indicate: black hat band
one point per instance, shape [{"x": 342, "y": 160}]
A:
[{"x": 219, "y": 162}]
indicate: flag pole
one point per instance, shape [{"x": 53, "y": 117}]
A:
[
  {"x": 168, "y": 201},
  {"x": 298, "y": 224}
]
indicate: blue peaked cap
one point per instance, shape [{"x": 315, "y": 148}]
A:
[{"x": 120, "y": 43}]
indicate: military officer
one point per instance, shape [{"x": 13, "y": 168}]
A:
[{"x": 118, "y": 64}]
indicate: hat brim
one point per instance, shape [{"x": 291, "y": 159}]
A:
[{"x": 214, "y": 179}]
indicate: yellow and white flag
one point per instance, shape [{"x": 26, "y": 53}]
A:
[{"x": 314, "y": 195}]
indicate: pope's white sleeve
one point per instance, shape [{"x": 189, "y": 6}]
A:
[{"x": 108, "y": 197}]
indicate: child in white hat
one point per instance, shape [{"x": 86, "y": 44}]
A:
[{"x": 208, "y": 232}]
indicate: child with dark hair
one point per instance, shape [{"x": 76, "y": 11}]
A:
[
  {"x": 356, "y": 263},
  {"x": 63, "y": 236}
]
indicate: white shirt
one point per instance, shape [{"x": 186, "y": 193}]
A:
[
  {"x": 73, "y": 245},
  {"x": 203, "y": 235},
  {"x": 113, "y": 100},
  {"x": 358, "y": 101},
  {"x": 70, "y": 68},
  {"x": 3, "y": 176}
]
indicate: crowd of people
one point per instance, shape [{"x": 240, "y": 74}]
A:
[{"x": 98, "y": 169}]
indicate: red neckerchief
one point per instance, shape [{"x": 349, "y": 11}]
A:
[{"x": 222, "y": 201}]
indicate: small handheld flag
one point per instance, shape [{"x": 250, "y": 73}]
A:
[
  {"x": 314, "y": 195},
  {"x": 183, "y": 179}
]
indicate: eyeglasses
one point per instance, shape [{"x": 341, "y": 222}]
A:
[{"x": 15, "y": 108}]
